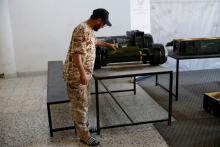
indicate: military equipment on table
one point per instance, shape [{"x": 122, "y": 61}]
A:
[
  {"x": 196, "y": 46},
  {"x": 135, "y": 46}
]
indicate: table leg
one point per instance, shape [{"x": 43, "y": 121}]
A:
[
  {"x": 177, "y": 79},
  {"x": 170, "y": 97},
  {"x": 134, "y": 85},
  {"x": 50, "y": 121},
  {"x": 97, "y": 106},
  {"x": 156, "y": 82}
]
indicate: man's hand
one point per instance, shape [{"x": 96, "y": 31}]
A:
[
  {"x": 84, "y": 80},
  {"x": 113, "y": 46}
]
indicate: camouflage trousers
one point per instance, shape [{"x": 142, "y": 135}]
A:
[{"x": 79, "y": 96}]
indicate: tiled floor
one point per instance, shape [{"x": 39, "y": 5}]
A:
[{"x": 24, "y": 121}]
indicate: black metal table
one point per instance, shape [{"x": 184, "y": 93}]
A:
[
  {"x": 178, "y": 58},
  {"x": 114, "y": 72},
  {"x": 56, "y": 91}
]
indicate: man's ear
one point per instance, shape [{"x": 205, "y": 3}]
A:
[{"x": 99, "y": 20}]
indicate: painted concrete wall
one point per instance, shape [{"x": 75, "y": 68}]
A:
[
  {"x": 140, "y": 15},
  {"x": 42, "y": 28},
  {"x": 7, "y": 57},
  {"x": 172, "y": 19}
]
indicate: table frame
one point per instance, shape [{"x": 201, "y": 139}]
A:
[
  {"x": 99, "y": 79},
  {"x": 180, "y": 57}
]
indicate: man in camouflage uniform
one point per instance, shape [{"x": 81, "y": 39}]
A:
[{"x": 78, "y": 69}]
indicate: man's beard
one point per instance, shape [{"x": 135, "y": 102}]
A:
[{"x": 96, "y": 28}]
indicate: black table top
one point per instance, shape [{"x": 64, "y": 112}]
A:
[
  {"x": 56, "y": 86},
  {"x": 128, "y": 70},
  {"x": 175, "y": 56}
]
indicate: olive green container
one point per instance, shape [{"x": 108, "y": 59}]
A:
[
  {"x": 197, "y": 46},
  {"x": 124, "y": 54}
]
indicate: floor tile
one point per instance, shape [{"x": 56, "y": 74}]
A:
[{"x": 23, "y": 113}]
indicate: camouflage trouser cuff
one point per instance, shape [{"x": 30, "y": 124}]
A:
[{"x": 79, "y": 98}]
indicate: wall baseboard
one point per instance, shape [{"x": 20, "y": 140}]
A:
[
  {"x": 9, "y": 76},
  {"x": 34, "y": 73}
]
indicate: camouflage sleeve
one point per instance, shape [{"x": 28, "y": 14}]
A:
[{"x": 78, "y": 42}]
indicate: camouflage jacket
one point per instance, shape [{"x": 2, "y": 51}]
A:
[{"x": 83, "y": 42}]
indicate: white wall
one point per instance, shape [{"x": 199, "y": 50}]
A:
[
  {"x": 7, "y": 57},
  {"x": 42, "y": 29},
  {"x": 186, "y": 19},
  {"x": 140, "y": 15}
]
